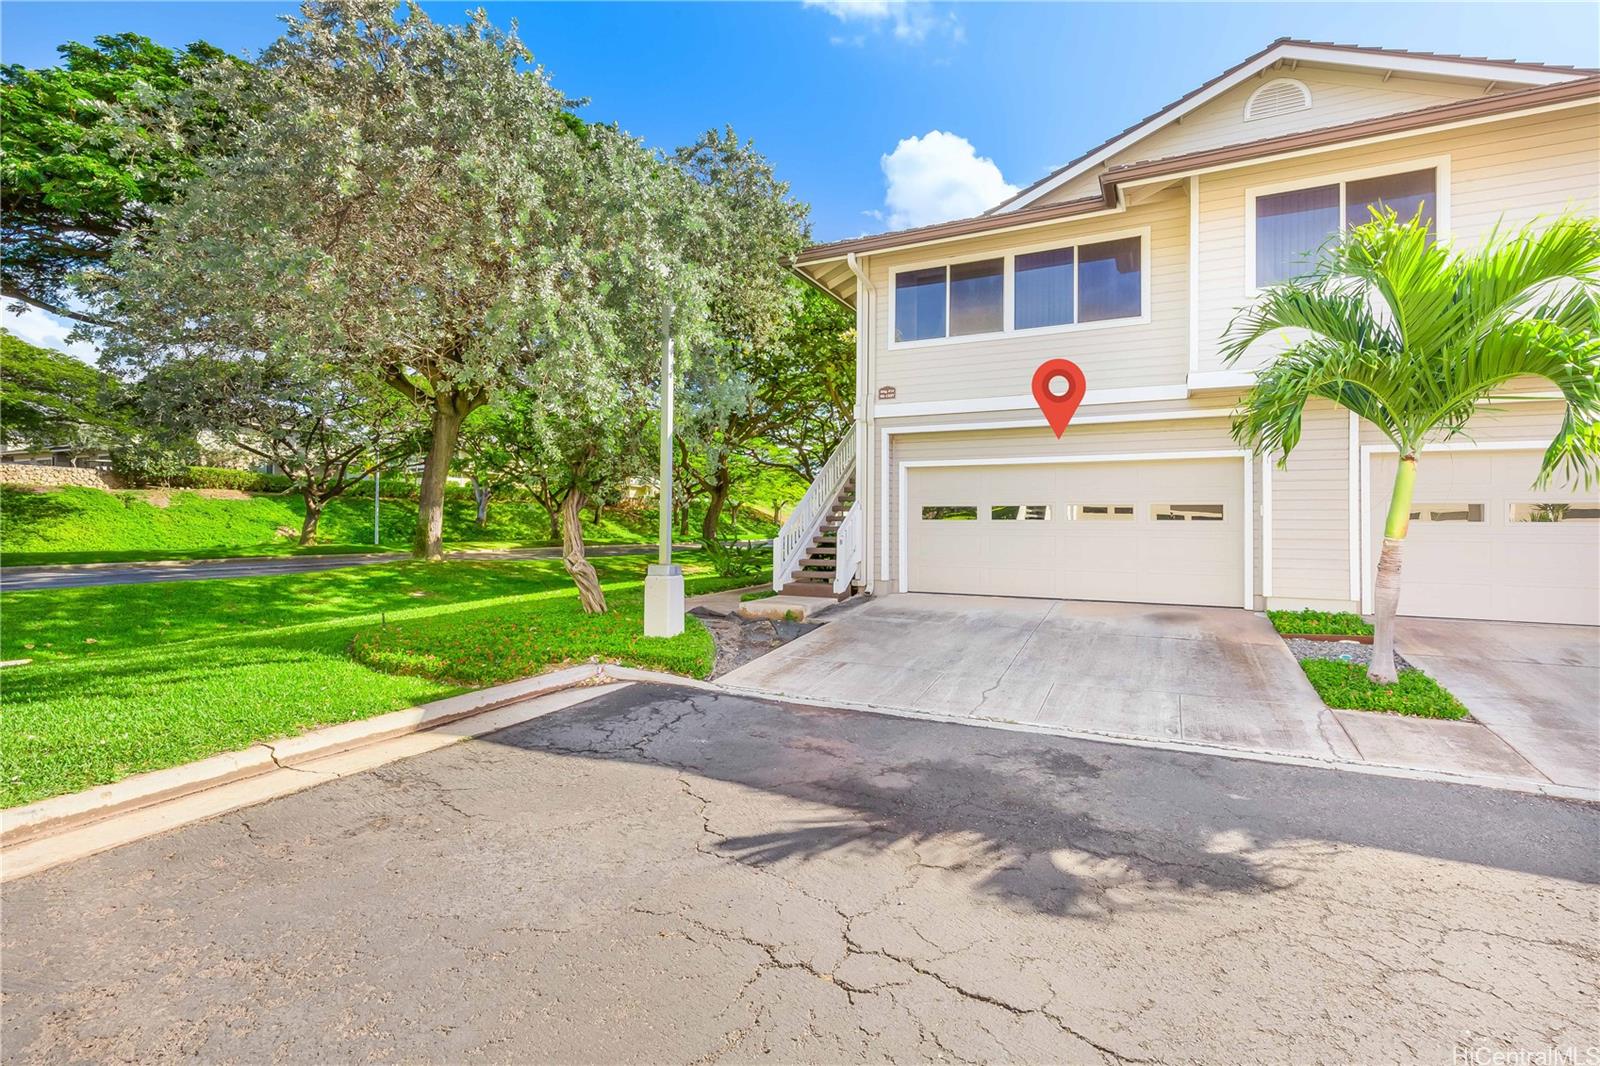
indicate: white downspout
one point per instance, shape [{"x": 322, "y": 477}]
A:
[{"x": 866, "y": 390}]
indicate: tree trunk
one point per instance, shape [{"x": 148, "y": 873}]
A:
[
  {"x": 572, "y": 555},
  {"x": 682, "y": 507},
  {"x": 719, "y": 496},
  {"x": 308, "y": 528},
  {"x": 595, "y": 515},
  {"x": 480, "y": 494},
  {"x": 448, "y": 411},
  {"x": 1386, "y": 586}
]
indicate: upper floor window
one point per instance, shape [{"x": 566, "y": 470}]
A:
[
  {"x": 1292, "y": 226},
  {"x": 1101, "y": 281}
]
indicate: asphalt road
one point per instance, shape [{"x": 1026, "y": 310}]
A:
[
  {"x": 83, "y": 575},
  {"x": 671, "y": 876}
]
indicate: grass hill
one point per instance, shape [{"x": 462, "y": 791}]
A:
[{"x": 76, "y": 525}]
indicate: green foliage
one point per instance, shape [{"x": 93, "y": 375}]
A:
[
  {"x": 129, "y": 678},
  {"x": 1347, "y": 686},
  {"x": 48, "y": 397},
  {"x": 1411, "y": 335},
  {"x": 217, "y": 477},
  {"x": 1340, "y": 623},
  {"x": 502, "y": 643},
  {"x": 758, "y": 594},
  {"x": 735, "y": 560},
  {"x": 142, "y": 459},
  {"x": 92, "y": 525},
  {"x": 89, "y": 147}
]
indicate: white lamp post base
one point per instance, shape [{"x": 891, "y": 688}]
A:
[{"x": 663, "y": 600}]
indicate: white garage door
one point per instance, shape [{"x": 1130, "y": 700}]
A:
[
  {"x": 1145, "y": 532},
  {"x": 1485, "y": 544}
]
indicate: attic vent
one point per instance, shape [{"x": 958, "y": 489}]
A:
[{"x": 1277, "y": 97}]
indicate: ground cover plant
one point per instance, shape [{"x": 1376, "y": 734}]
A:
[
  {"x": 79, "y": 525},
  {"x": 1316, "y": 623},
  {"x": 129, "y": 678},
  {"x": 1345, "y": 685}
]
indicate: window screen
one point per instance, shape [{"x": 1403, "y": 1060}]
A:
[
  {"x": 977, "y": 297},
  {"x": 1404, "y": 194},
  {"x": 1290, "y": 228},
  {"x": 919, "y": 304},
  {"x": 1044, "y": 289},
  {"x": 1109, "y": 280}
]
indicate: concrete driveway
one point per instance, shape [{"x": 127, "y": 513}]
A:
[
  {"x": 665, "y": 875},
  {"x": 1536, "y": 686},
  {"x": 1204, "y": 675}
]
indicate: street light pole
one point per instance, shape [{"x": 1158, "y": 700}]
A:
[{"x": 663, "y": 583}]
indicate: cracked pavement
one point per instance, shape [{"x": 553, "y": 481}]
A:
[{"x": 669, "y": 875}]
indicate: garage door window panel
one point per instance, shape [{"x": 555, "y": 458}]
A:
[
  {"x": 949, "y": 513},
  {"x": 1448, "y": 512},
  {"x": 1554, "y": 513},
  {"x": 1032, "y": 512},
  {"x": 1187, "y": 512},
  {"x": 1101, "y": 512}
]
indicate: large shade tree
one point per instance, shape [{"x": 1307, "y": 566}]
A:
[
  {"x": 1413, "y": 336},
  {"x": 413, "y": 203},
  {"x": 304, "y": 418},
  {"x": 90, "y": 147},
  {"x": 49, "y": 399}
]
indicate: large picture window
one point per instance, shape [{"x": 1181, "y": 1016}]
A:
[
  {"x": 1098, "y": 281},
  {"x": 1291, "y": 227}
]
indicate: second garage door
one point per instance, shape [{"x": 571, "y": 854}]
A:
[
  {"x": 1484, "y": 543},
  {"x": 1163, "y": 531}
]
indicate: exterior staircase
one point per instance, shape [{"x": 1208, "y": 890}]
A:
[
  {"x": 819, "y": 565},
  {"x": 820, "y": 547}
]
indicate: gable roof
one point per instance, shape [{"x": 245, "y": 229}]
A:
[
  {"x": 1567, "y": 93},
  {"x": 1290, "y": 48}
]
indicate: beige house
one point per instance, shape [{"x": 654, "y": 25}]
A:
[{"x": 1130, "y": 261}]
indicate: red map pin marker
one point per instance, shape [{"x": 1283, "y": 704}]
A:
[{"x": 1058, "y": 388}]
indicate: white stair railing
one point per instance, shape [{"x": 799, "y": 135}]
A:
[
  {"x": 801, "y": 525},
  {"x": 849, "y": 548}
]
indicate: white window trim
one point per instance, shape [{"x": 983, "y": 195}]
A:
[
  {"x": 1368, "y": 585},
  {"x": 1008, "y": 275},
  {"x": 1440, "y": 165},
  {"x": 1248, "y": 490}
]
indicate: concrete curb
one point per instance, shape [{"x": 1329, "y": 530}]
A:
[
  {"x": 60, "y": 813},
  {"x": 1506, "y": 784}
]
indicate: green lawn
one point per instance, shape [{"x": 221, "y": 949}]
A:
[
  {"x": 128, "y": 678},
  {"x": 1347, "y": 686},
  {"x": 78, "y": 525}
]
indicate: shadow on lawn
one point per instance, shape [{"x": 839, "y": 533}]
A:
[{"x": 1048, "y": 824}]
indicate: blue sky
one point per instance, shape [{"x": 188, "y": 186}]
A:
[{"x": 828, "y": 90}]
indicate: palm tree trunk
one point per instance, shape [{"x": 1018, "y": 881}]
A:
[{"x": 1386, "y": 586}]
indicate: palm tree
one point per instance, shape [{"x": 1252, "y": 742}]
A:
[{"x": 1412, "y": 336}]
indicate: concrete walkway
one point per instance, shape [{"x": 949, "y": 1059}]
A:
[
  {"x": 1207, "y": 676},
  {"x": 662, "y": 875},
  {"x": 1537, "y": 687},
  {"x": 84, "y": 575}
]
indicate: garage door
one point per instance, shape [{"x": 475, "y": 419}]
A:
[
  {"x": 1144, "y": 532},
  {"x": 1485, "y": 544}
]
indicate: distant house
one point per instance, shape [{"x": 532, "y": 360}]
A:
[
  {"x": 1130, "y": 261},
  {"x": 81, "y": 457}
]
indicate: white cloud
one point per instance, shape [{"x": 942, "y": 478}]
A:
[
  {"x": 937, "y": 177},
  {"x": 910, "y": 21},
  {"x": 47, "y": 331}
]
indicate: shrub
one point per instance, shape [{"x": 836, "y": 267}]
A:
[
  {"x": 730, "y": 558},
  {"x": 216, "y": 477},
  {"x": 1339, "y": 623},
  {"x": 141, "y": 461}
]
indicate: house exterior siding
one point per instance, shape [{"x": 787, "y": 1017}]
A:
[{"x": 1158, "y": 385}]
